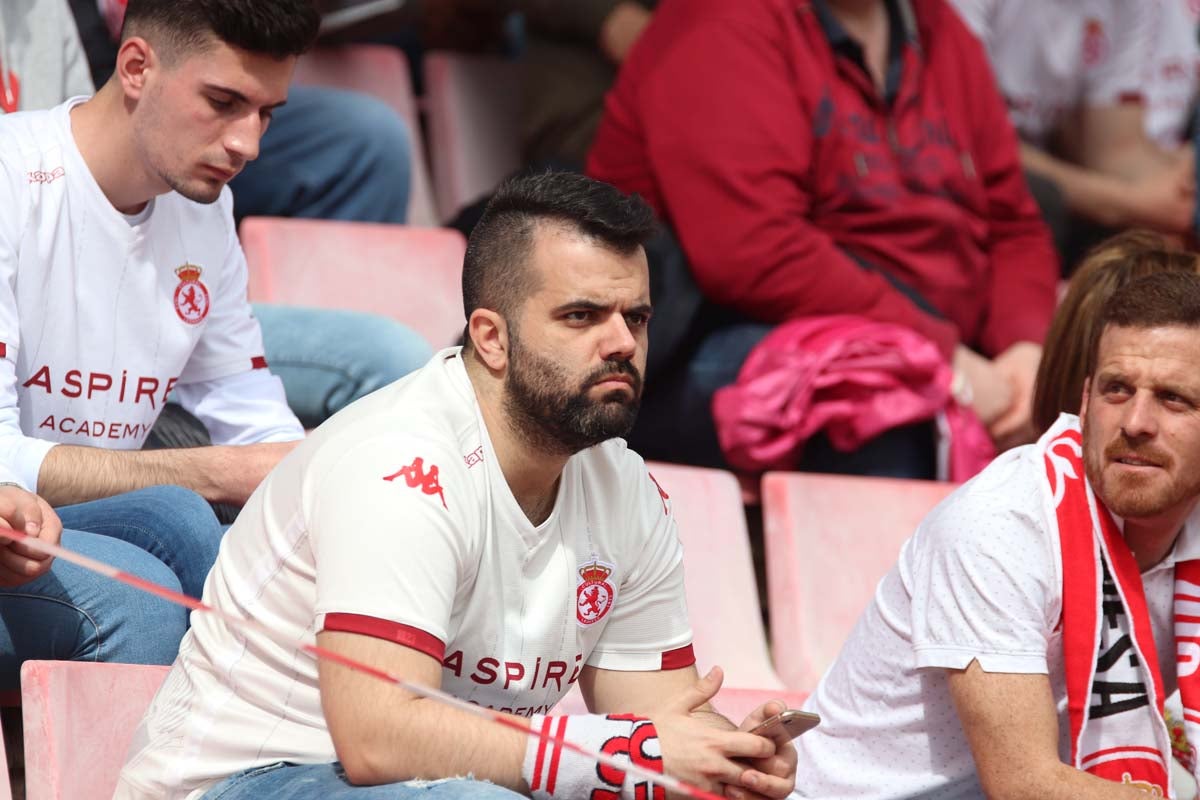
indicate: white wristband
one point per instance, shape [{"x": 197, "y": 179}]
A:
[{"x": 553, "y": 771}]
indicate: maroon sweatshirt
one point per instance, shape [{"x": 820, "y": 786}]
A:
[{"x": 782, "y": 170}]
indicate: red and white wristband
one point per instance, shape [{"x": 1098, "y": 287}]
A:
[{"x": 553, "y": 771}]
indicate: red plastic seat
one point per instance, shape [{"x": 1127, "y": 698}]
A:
[
  {"x": 380, "y": 71},
  {"x": 79, "y": 718},
  {"x": 829, "y": 540},
  {"x": 473, "y": 105},
  {"x": 413, "y": 275}
]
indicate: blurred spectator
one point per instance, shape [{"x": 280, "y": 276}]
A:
[
  {"x": 329, "y": 154},
  {"x": 570, "y": 61},
  {"x": 41, "y": 61},
  {"x": 839, "y": 157},
  {"x": 1108, "y": 267},
  {"x": 1172, "y": 73},
  {"x": 1074, "y": 78}
]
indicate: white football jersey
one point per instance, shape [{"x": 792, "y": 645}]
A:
[
  {"x": 1052, "y": 56},
  {"x": 394, "y": 520},
  {"x": 1172, "y": 73},
  {"x": 103, "y": 314}
]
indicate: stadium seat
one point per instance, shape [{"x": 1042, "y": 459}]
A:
[
  {"x": 79, "y": 718},
  {"x": 829, "y": 540},
  {"x": 473, "y": 103},
  {"x": 380, "y": 71},
  {"x": 413, "y": 275}
]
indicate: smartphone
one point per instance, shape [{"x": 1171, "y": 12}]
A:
[{"x": 788, "y": 725}]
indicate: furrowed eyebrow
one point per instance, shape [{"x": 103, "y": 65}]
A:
[{"x": 591, "y": 305}]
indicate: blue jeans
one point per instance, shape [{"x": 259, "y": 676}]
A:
[
  {"x": 329, "y": 154},
  {"x": 164, "y": 534},
  {"x": 328, "y": 358},
  {"x": 284, "y": 781},
  {"x": 676, "y": 422}
]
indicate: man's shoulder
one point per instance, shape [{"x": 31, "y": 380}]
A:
[{"x": 31, "y": 149}]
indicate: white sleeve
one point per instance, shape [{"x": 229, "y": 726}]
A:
[
  {"x": 977, "y": 14},
  {"x": 21, "y": 456},
  {"x": 390, "y": 557},
  {"x": 984, "y": 585},
  {"x": 648, "y": 627},
  {"x": 246, "y": 408},
  {"x": 231, "y": 341},
  {"x": 1124, "y": 46}
]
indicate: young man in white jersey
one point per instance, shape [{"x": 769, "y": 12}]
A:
[
  {"x": 1026, "y": 639},
  {"x": 477, "y": 526},
  {"x": 122, "y": 282}
]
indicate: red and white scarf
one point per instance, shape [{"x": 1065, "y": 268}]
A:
[{"x": 1114, "y": 689}]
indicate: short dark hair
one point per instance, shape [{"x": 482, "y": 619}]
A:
[
  {"x": 495, "y": 271},
  {"x": 277, "y": 28},
  {"x": 1164, "y": 299},
  {"x": 1109, "y": 266}
]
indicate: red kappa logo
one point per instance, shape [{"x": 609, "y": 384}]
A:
[
  {"x": 594, "y": 595},
  {"x": 191, "y": 296},
  {"x": 417, "y": 478}
]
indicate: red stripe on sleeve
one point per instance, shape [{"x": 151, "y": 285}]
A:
[
  {"x": 258, "y": 362},
  {"x": 406, "y": 635},
  {"x": 540, "y": 758},
  {"x": 552, "y": 773},
  {"x": 678, "y": 659},
  {"x": 3, "y": 350},
  {"x": 1130, "y": 98}
]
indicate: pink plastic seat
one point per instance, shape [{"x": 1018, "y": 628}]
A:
[
  {"x": 79, "y": 718},
  {"x": 473, "y": 103},
  {"x": 382, "y": 72},
  {"x": 413, "y": 275},
  {"x": 829, "y": 540}
]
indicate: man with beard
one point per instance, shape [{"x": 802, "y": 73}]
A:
[
  {"x": 478, "y": 527},
  {"x": 1024, "y": 643}
]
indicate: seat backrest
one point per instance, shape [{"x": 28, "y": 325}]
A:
[
  {"x": 722, "y": 593},
  {"x": 413, "y": 275},
  {"x": 473, "y": 103},
  {"x": 382, "y": 72},
  {"x": 829, "y": 541},
  {"x": 79, "y": 718}
]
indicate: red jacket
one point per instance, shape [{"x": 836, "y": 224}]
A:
[{"x": 775, "y": 161}]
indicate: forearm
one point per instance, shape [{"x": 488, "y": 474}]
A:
[
  {"x": 1062, "y": 782},
  {"x": 73, "y": 474},
  {"x": 1090, "y": 193}
]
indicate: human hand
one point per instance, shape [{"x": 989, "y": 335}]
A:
[
  {"x": 622, "y": 28},
  {"x": 26, "y": 512},
  {"x": 990, "y": 391},
  {"x": 1019, "y": 365},
  {"x": 250, "y": 464},
  {"x": 782, "y": 765},
  {"x": 1164, "y": 199},
  {"x": 703, "y": 754}
]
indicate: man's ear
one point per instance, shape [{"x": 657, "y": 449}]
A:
[
  {"x": 135, "y": 59},
  {"x": 489, "y": 338}
]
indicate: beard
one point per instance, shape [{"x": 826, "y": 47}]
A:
[
  {"x": 1131, "y": 495},
  {"x": 555, "y": 417}
]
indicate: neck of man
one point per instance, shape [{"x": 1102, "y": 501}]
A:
[
  {"x": 1151, "y": 539},
  {"x": 531, "y": 472},
  {"x": 103, "y": 132}
]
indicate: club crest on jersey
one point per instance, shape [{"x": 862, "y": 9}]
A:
[
  {"x": 191, "y": 296},
  {"x": 594, "y": 595}
]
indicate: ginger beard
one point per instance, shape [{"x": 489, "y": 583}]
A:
[
  {"x": 1134, "y": 493},
  {"x": 559, "y": 414}
]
